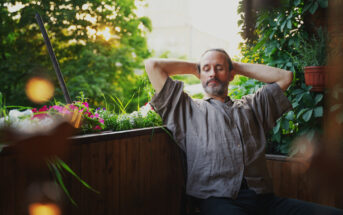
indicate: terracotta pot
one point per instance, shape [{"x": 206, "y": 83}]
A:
[{"x": 315, "y": 77}]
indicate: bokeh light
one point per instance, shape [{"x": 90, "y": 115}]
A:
[
  {"x": 44, "y": 209},
  {"x": 105, "y": 33},
  {"x": 39, "y": 90},
  {"x": 303, "y": 149}
]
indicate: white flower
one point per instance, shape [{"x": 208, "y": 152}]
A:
[
  {"x": 23, "y": 122},
  {"x": 145, "y": 110},
  {"x": 16, "y": 115}
]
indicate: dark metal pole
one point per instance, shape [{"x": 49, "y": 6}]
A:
[{"x": 53, "y": 59}]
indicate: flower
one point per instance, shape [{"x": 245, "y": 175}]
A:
[
  {"x": 16, "y": 114},
  {"x": 27, "y": 122},
  {"x": 97, "y": 128},
  {"x": 145, "y": 109},
  {"x": 41, "y": 113}
]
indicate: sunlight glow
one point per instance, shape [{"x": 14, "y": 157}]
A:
[
  {"x": 44, "y": 209},
  {"x": 105, "y": 33}
]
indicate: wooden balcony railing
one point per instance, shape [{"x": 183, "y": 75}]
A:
[{"x": 136, "y": 172}]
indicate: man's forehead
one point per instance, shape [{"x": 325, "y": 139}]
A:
[{"x": 211, "y": 57}]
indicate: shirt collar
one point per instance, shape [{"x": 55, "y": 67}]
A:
[{"x": 226, "y": 101}]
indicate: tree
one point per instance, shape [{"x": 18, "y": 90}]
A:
[{"x": 98, "y": 43}]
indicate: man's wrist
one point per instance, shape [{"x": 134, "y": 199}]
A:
[{"x": 237, "y": 68}]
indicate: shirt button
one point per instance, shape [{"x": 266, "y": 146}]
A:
[{"x": 239, "y": 145}]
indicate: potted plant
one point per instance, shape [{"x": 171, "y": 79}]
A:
[{"x": 313, "y": 58}]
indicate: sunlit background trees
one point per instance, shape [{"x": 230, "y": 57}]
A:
[{"x": 99, "y": 45}]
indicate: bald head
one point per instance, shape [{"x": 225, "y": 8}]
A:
[{"x": 222, "y": 51}]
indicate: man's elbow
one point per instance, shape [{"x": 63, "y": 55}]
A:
[
  {"x": 150, "y": 65},
  {"x": 289, "y": 78},
  {"x": 286, "y": 81}
]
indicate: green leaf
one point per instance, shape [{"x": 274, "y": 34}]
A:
[
  {"x": 318, "y": 111},
  {"x": 285, "y": 124},
  {"x": 59, "y": 179},
  {"x": 297, "y": 91},
  {"x": 307, "y": 7},
  {"x": 271, "y": 35},
  {"x": 68, "y": 169},
  {"x": 296, "y": 2},
  {"x": 290, "y": 115},
  {"x": 283, "y": 25},
  {"x": 318, "y": 98},
  {"x": 295, "y": 104},
  {"x": 277, "y": 127},
  {"x": 289, "y": 64},
  {"x": 290, "y": 42},
  {"x": 277, "y": 137},
  {"x": 299, "y": 97},
  {"x": 301, "y": 112},
  {"x": 289, "y": 24},
  {"x": 314, "y": 8},
  {"x": 323, "y": 3},
  {"x": 308, "y": 100},
  {"x": 307, "y": 115}
]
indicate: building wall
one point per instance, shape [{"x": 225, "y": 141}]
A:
[{"x": 174, "y": 32}]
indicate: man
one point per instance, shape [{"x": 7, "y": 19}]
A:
[{"x": 224, "y": 140}]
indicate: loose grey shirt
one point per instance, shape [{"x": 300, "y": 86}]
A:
[{"x": 223, "y": 142}]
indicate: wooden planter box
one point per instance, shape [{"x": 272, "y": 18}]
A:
[{"x": 137, "y": 172}]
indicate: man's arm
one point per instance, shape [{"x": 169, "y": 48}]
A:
[
  {"x": 264, "y": 73},
  {"x": 159, "y": 69}
]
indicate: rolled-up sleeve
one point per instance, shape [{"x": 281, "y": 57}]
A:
[
  {"x": 174, "y": 107},
  {"x": 269, "y": 103}
]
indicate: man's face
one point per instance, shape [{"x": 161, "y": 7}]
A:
[{"x": 214, "y": 73}]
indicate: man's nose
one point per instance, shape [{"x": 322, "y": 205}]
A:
[{"x": 212, "y": 72}]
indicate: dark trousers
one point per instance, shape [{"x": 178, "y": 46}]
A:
[{"x": 248, "y": 202}]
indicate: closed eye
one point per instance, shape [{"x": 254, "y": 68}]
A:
[
  {"x": 205, "y": 68},
  {"x": 219, "y": 67}
]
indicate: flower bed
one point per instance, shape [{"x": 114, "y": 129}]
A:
[{"x": 87, "y": 119}]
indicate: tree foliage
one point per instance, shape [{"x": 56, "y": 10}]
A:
[{"x": 97, "y": 64}]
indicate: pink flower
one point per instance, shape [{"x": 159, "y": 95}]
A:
[
  {"x": 96, "y": 115},
  {"x": 44, "y": 108},
  {"x": 65, "y": 111},
  {"x": 38, "y": 114},
  {"x": 58, "y": 108},
  {"x": 97, "y": 127},
  {"x": 101, "y": 120},
  {"x": 72, "y": 107},
  {"x": 85, "y": 104}
]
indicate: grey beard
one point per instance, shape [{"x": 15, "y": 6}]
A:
[{"x": 215, "y": 91}]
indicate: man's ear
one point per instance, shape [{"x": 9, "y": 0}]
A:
[
  {"x": 198, "y": 67},
  {"x": 231, "y": 75}
]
